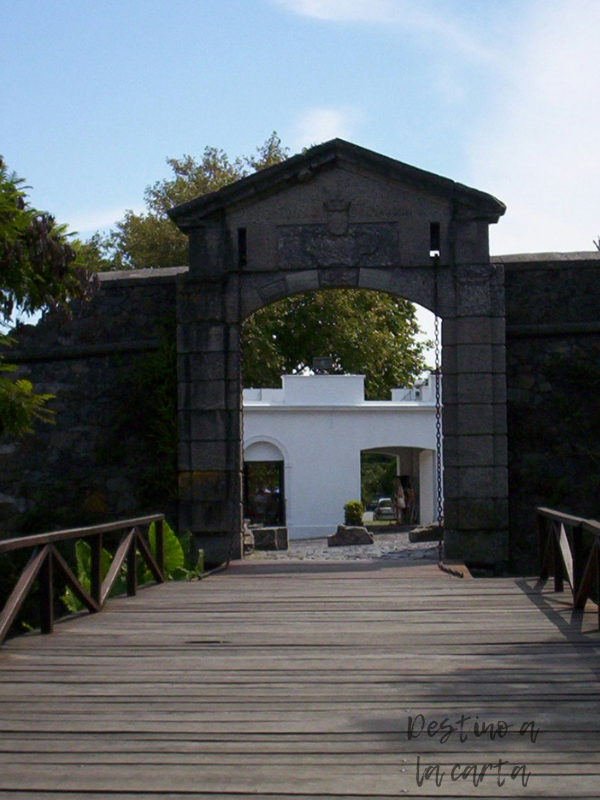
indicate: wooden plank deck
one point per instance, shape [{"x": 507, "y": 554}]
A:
[{"x": 300, "y": 681}]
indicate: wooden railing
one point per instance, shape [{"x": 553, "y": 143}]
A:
[
  {"x": 46, "y": 562},
  {"x": 564, "y": 553}
]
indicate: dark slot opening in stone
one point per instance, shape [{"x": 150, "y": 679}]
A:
[
  {"x": 434, "y": 239},
  {"x": 242, "y": 247}
]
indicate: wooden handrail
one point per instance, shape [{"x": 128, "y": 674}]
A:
[
  {"x": 562, "y": 554},
  {"x": 37, "y": 539},
  {"x": 46, "y": 561}
]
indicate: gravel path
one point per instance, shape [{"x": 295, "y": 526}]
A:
[{"x": 386, "y": 546}]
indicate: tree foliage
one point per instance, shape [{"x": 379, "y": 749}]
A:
[
  {"x": 377, "y": 473},
  {"x": 150, "y": 239},
  {"x": 19, "y": 404},
  {"x": 363, "y": 332},
  {"x": 39, "y": 269}
]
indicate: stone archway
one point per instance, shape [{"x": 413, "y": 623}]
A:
[{"x": 340, "y": 216}]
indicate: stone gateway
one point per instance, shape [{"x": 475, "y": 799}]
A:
[
  {"x": 520, "y": 335},
  {"x": 340, "y": 216}
]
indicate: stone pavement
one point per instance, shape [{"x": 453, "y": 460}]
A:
[{"x": 386, "y": 546}]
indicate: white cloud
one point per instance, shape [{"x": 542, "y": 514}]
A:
[
  {"x": 427, "y": 18},
  {"x": 345, "y": 10},
  {"x": 316, "y": 125},
  {"x": 539, "y": 153}
]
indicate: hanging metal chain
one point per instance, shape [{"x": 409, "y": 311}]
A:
[
  {"x": 438, "y": 426},
  {"x": 438, "y": 436}
]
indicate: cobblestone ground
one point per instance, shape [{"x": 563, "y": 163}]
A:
[{"x": 386, "y": 546}]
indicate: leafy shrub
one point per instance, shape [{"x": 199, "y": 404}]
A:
[
  {"x": 83, "y": 554},
  {"x": 178, "y": 564},
  {"x": 353, "y": 512}
]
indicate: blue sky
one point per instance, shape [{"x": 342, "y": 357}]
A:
[{"x": 503, "y": 95}]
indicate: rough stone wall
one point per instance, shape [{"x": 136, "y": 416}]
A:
[
  {"x": 74, "y": 472},
  {"x": 553, "y": 383}
]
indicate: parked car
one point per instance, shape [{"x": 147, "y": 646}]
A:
[{"x": 384, "y": 509}]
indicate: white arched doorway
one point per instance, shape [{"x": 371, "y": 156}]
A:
[{"x": 264, "y": 483}]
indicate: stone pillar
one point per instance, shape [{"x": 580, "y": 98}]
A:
[
  {"x": 474, "y": 419},
  {"x": 210, "y": 404}
]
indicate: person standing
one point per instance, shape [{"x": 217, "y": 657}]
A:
[{"x": 398, "y": 501}]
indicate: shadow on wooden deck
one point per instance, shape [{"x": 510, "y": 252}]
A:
[{"x": 308, "y": 680}]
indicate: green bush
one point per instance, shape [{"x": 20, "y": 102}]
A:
[
  {"x": 179, "y": 564},
  {"x": 353, "y": 512}
]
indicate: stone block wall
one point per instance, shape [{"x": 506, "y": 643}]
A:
[
  {"x": 553, "y": 390},
  {"x": 474, "y": 420},
  {"x": 87, "y": 466},
  {"x": 210, "y": 407}
]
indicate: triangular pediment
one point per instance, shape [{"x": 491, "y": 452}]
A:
[{"x": 342, "y": 155}]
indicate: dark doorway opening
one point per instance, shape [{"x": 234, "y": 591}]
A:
[{"x": 264, "y": 495}]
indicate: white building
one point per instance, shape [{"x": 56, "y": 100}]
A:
[{"x": 306, "y": 439}]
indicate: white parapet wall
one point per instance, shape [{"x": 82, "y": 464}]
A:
[{"x": 318, "y": 425}]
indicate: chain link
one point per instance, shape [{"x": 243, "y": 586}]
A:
[
  {"x": 240, "y": 377},
  {"x": 438, "y": 432}
]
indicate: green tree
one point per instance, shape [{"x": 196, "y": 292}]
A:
[
  {"x": 377, "y": 472},
  {"x": 150, "y": 239},
  {"x": 39, "y": 269},
  {"x": 364, "y": 332},
  {"x": 19, "y": 405}
]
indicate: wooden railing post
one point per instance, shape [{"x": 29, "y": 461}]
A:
[
  {"x": 578, "y": 557},
  {"x": 46, "y": 560},
  {"x": 159, "y": 533},
  {"x": 559, "y": 575},
  {"x": 132, "y": 568},
  {"x": 46, "y": 593},
  {"x": 96, "y": 567},
  {"x": 598, "y": 581},
  {"x": 561, "y": 538}
]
